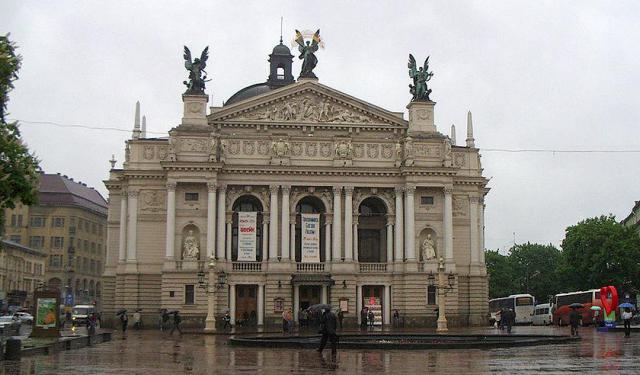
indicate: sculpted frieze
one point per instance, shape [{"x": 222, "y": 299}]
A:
[
  {"x": 234, "y": 147},
  {"x": 148, "y": 152},
  {"x": 193, "y": 145},
  {"x": 162, "y": 152},
  {"x": 459, "y": 160},
  {"x": 152, "y": 200},
  {"x": 358, "y": 151},
  {"x": 460, "y": 204},
  {"x": 311, "y": 149},
  {"x": 325, "y": 149},
  {"x": 387, "y": 151},
  {"x": 372, "y": 151},
  {"x": 307, "y": 108},
  {"x": 263, "y": 148},
  {"x": 296, "y": 148},
  {"x": 248, "y": 147},
  {"x": 344, "y": 149}
]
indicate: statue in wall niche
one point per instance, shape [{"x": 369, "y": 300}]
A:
[
  {"x": 190, "y": 247},
  {"x": 428, "y": 248},
  {"x": 280, "y": 148},
  {"x": 213, "y": 149}
]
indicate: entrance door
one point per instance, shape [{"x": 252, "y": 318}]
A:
[
  {"x": 246, "y": 302},
  {"x": 372, "y": 299},
  {"x": 309, "y": 295}
]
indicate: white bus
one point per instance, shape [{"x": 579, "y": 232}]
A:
[
  {"x": 542, "y": 315},
  {"x": 522, "y": 304}
]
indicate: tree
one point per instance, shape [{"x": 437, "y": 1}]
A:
[
  {"x": 500, "y": 274},
  {"x": 600, "y": 251},
  {"x": 18, "y": 168},
  {"x": 534, "y": 268}
]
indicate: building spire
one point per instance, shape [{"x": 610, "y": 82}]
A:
[
  {"x": 453, "y": 135},
  {"x": 470, "y": 140},
  {"x": 280, "y": 29},
  {"x": 144, "y": 127},
  {"x": 136, "y": 122},
  {"x": 113, "y": 161}
]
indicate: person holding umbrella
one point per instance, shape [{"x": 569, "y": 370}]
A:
[
  {"x": 124, "y": 320},
  {"x": 328, "y": 325},
  {"x": 626, "y": 317},
  {"x": 574, "y": 318}
]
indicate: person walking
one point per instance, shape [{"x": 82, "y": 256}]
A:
[
  {"x": 508, "y": 319},
  {"x": 177, "y": 319},
  {"x": 161, "y": 319},
  {"x": 574, "y": 321},
  {"x": 499, "y": 314},
  {"x": 227, "y": 321},
  {"x": 124, "y": 320},
  {"x": 289, "y": 319},
  {"x": 371, "y": 317},
  {"x": 363, "y": 318},
  {"x": 340, "y": 317},
  {"x": 626, "y": 316},
  {"x": 396, "y": 318},
  {"x": 328, "y": 324},
  {"x": 136, "y": 320}
]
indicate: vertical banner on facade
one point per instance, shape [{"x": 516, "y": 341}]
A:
[
  {"x": 247, "y": 236},
  {"x": 310, "y": 237}
]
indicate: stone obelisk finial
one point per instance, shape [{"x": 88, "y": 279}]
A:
[
  {"x": 453, "y": 135},
  {"x": 470, "y": 140},
  {"x": 136, "y": 122},
  {"x": 144, "y": 127}
]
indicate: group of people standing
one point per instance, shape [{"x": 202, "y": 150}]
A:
[
  {"x": 506, "y": 318},
  {"x": 367, "y": 318}
]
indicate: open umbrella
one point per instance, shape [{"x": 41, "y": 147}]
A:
[
  {"x": 121, "y": 311},
  {"x": 626, "y": 305},
  {"x": 318, "y": 307},
  {"x": 576, "y": 305},
  {"x": 596, "y": 308}
]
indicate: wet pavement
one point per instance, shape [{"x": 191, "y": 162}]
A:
[{"x": 152, "y": 352}]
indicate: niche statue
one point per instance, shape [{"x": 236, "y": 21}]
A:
[
  {"x": 428, "y": 248},
  {"x": 190, "y": 247}
]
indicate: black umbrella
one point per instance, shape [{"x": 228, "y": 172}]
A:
[
  {"x": 318, "y": 307},
  {"x": 121, "y": 311},
  {"x": 576, "y": 305}
]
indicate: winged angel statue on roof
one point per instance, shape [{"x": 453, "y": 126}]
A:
[
  {"x": 197, "y": 74},
  {"x": 309, "y": 59},
  {"x": 420, "y": 77}
]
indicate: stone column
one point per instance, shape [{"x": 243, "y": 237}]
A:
[
  {"x": 389, "y": 241},
  {"x": 260, "y": 304},
  {"x": 337, "y": 235},
  {"x": 292, "y": 240},
  {"x": 448, "y": 222},
  {"x": 323, "y": 296},
  {"x": 122, "y": 241},
  {"x": 265, "y": 237},
  {"x": 355, "y": 239},
  {"x": 399, "y": 234},
  {"x": 296, "y": 302},
  {"x": 211, "y": 219},
  {"x": 410, "y": 246},
  {"x": 284, "y": 214},
  {"x": 273, "y": 225},
  {"x": 171, "y": 221},
  {"x": 327, "y": 241},
  {"x": 222, "y": 212},
  {"x": 228, "y": 239},
  {"x": 387, "y": 305},
  {"x": 232, "y": 303},
  {"x": 481, "y": 215},
  {"x": 132, "y": 227},
  {"x": 359, "y": 302},
  {"x": 473, "y": 229},
  {"x": 348, "y": 226}
]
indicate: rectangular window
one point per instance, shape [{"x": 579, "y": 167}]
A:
[
  {"x": 80, "y": 224},
  {"x": 93, "y": 266},
  {"x": 57, "y": 242},
  {"x": 189, "y": 294},
  {"x": 36, "y": 242},
  {"x": 94, "y": 228},
  {"x": 55, "y": 261},
  {"x": 86, "y": 245},
  {"x": 431, "y": 295},
  {"x": 191, "y": 197},
  {"x": 57, "y": 222},
  {"x": 37, "y": 221},
  {"x": 15, "y": 238},
  {"x": 20, "y": 220},
  {"x": 14, "y": 221},
  {"x": 426, "y": 200},
  {"x": 93, "y": 247}
]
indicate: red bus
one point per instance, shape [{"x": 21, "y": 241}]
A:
[{"x": 587, "y": 298}]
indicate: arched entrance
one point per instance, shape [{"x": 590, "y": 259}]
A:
[
  {"x": 372, "y": 236},
  {"x": 310, "y": 205},
  {"x": 247, "y": 203}
]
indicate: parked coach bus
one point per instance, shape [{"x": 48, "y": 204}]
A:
[
  {"x": 587, "y": 298},
  {"x": 522, "y": 304}
]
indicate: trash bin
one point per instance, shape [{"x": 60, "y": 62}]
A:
[{"x": 13, "y": 349}]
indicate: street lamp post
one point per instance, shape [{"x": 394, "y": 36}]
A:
[
  {"x": 444, "y": 285},
  {"x": 211, "y": 285}
]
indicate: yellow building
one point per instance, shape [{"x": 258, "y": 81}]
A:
[
  {"x": 69, "y": 225},
  {"x": 21, "y": 272}
]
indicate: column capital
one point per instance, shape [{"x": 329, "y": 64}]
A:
[
  {"x": 171, "y": 186},
  {"x": 212, "y": 187},
  {"x": 337, "y": 189},
  {"x": 274, "y": 189},
  {"x": 133, "y": 193},
  {"x": 222, "y": 187},
  {"x": 410, "y": 188},
  {"x": 348, "y": 190},
  {"x": 474, "y": 199},
  {"x": 448, "y": 189},
  {"x": 285, "y": 189},
  {"x": 398, "y": 190}
]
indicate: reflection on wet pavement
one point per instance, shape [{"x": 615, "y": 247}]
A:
[{"x": 150, "y": 352}]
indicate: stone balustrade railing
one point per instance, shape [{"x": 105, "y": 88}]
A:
[
  {"x": 373, "y": 267},
  {"x": 309, "y": 267},
  {"x": 246, "y": 266}
]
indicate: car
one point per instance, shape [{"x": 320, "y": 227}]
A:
[
  {"x": 81, "y": 313},
  {"x": 24, "y": 317},
  {"x": 10, "y": 325}
]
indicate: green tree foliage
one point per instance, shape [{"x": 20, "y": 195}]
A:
[
  {"x": 600, "y": 251},
  {"x": 18, "y": 168},
  {"x": 500, "y": 274},
  {"x": 534, "y": 269}
]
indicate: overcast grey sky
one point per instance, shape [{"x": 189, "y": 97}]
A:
[{"x": 535, "y": 74}]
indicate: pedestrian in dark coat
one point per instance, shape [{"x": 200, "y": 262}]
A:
[
  {"x": 177, "y": 319},
  {"x": 363, "y": 318},
  {"x": 328, "y": 326},
  {"x": 372, "y": 318},
  {"x": 508, "y": 319},
  {"x": 340, "y": 317},
  {"x": 574, "y": 321},
  {"x": 124, "y": 319}
]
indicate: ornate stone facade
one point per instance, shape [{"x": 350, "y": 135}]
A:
[{"x": 380, "y": 189}]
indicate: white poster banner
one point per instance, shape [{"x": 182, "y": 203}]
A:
[
  {"x": 310, "y": 237},
  {"x": 247, "y": 236}
]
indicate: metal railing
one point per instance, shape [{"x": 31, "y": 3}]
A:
[
  {"x": 246, "y": 266},
  {"x": 373, "y": 267},
  {"x": 309, "y": 267}
]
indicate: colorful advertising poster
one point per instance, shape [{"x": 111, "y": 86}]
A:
[
  {"x": 310, "y": 237},
  {"x": 46, "y": 313},
  {"x": 247, "y": 236}
]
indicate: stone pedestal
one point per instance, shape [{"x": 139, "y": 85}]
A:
[
  {"x": 421, "y": 117},
  {"x": 195, "y": 110}
]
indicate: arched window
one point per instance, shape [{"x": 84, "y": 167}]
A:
[
  {"x": 280, "y": 72},
  {"x": 247, "y": 203},
  {"x": 310, "y": 205},
  {"x": 372, "y": 236},
  {"x": 91, "y": 289},
  {"x": 55, "y": 283}
]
